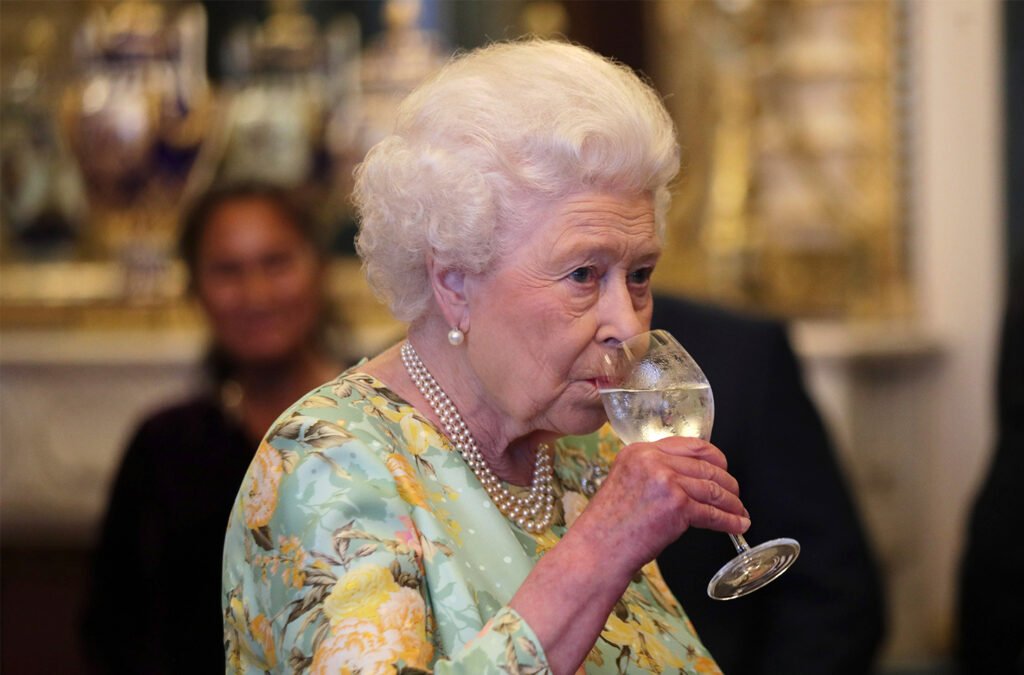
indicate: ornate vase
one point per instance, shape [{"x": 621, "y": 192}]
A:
[{"x": 136, "y": 117}]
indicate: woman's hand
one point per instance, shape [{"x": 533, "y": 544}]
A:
[{"x": 655, "y": 492}]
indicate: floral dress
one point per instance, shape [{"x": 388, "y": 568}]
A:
[{"x": 361, "y": 542}]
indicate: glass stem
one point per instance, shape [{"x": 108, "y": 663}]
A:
[{"x": 740, "y": 543}]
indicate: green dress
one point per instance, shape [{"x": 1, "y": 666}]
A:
[{"x": 361, "y": 542}]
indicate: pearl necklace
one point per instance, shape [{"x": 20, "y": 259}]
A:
[{"x": 534, "y": 510}]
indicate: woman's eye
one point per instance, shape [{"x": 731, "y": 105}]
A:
[
  {"x": 641, "y": 276},
  {"x": 582, "y": 275},
  {"x": 277, "y": 263}
]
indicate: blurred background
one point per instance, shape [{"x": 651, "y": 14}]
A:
[{"x": 847, "y": 166}]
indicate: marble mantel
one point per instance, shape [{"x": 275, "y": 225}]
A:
[{"x": 69, "y": 399}]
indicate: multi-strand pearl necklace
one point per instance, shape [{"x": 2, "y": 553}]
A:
[{"x": 532, "y": 511}]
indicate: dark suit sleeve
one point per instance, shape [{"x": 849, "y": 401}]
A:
[
  {"x": 991, "y": 611},
  {"x": 825, "y": 615}
]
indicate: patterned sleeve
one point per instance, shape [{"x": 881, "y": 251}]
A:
[{"x": 325, "y": 570}]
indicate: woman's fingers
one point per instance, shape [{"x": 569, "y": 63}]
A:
[
  {"x": 655, "y": 492},
  {"x": 708, "y": 517},
  {"x": 711, "y": 503},
  {"x": 689, "y": 457},
  {"x": 687, "y": 475},
  {"x": 680, "y": 446},
  {"x": 713, "y": 494},
  {"x": 702, "y": 470}
]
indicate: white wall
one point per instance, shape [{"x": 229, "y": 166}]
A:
[
  {"x": 912, "y": 406},
  {"x": 958, "y": 209}
]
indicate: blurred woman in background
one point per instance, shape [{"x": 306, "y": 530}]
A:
[{"x": 257, "y": 272}]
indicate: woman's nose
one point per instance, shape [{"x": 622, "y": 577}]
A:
[
  {"x": 256, "y": 288},
  {"x": 620, "y": 318}
]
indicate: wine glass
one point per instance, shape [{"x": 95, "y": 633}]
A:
[{"x": 653, "y": 389}]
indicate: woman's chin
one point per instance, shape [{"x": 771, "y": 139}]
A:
[
  {"x": 265, "y": 356},
  {"x": 584, "y": 422}
]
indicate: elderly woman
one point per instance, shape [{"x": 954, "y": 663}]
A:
[{"x": 433, "y": 508}]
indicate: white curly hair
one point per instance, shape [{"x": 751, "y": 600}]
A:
[{"x": 499, "y": 133}]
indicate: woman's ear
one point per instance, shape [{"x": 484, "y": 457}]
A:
[{"x": 449, "y": 286}]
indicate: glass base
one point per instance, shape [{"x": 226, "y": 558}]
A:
[{"x": 753, "y": 569}]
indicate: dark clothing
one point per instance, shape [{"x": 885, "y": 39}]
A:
[
  {"x": 155, "y": 601},
  {"x": 991, "y": 597},
  {"x": 825, "y": 615}
]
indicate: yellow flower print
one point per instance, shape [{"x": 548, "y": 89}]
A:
[
  {"x": 706, "y": 666},
  {"x": 545, "y": 541},
  {"x": 261, "y": 631},
  {"x": 573, "y": 504},
  {"x": 419, "y": 436},
  {"x": 608, "y": 444},
  {"x": 236, "y": 618},
  {"x": 619, "y": 632},
  {"x": 373, "y": 644},
  {"x": 234, "y": 656},
  {"x": 293, "y": 558},
  {"x": 240, "y": 634},
  {"x": 659, "y": 589},
  {"x": 378, "y": 405},
  {"x": 452, "y": 526},
  {"x": 409, "y": 488},
  {"x": 354, "y": 646},
  {"x": 652, "y": 652},
  {"x": 639, "y": 633},
  {"x": 655, "y": 656},
  {"x": 404, "y": 610},
  {"x": 359, "y": 594},
  {"x": 409, "y": 539},
  {"x": 403, "y": 617},
  {"x": 234, "y": 629},
  {"x": 264, "y": 478}
]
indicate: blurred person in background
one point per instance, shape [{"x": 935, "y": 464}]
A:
[
  {"x": 257, "y": 272},
  {"x": 991, "y": 596},
  {"x": 825, "y": 615}
]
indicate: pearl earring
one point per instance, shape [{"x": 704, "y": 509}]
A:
[{"x": 455, "y": 337}]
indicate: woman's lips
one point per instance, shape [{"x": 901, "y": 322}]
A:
[{"x": 596, "y": 384}]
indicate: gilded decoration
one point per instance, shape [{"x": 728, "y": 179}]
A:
[
  {"x": 791, "y": 198},
  {"x": 792, "y": 192}
]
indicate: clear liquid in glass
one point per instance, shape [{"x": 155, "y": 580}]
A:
[
  {"x": 653, "y": 414},
  {"x": 655, "y": 390}
]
